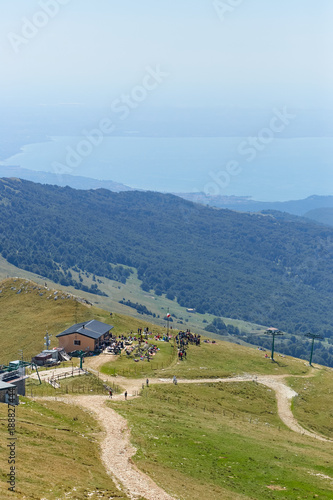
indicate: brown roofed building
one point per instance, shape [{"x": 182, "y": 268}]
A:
[{"x": 87, "y": 336}]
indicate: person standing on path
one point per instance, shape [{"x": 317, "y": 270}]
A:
[
  {"x": 147, "y": 382},
  {"x": 125, "y": 395},
  {"x": 110, "y": 392}
]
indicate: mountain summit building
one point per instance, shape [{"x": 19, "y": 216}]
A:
[{"x": 87, "y": 336}]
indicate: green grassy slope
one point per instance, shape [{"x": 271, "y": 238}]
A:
[
  {"x": 221, "y": 441},
  {"x": 131, "y": 291},
  {"x": 313, "y": 405},
  {"x": 25, "y": 317},
  {"x": 210, "y": 441},
  {"x": 222, "y": 359},
  {"x": 57, "y": 454}
]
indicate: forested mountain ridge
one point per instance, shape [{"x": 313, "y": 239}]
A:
[
  {"x": 246, "y": 204},
  {"x": 249, "y": 266},
  {"x": 322, "y": 215}
]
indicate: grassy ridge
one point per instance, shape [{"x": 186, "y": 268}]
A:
[
  {"x": 224, "y": 359},
  {"x": 116, "y": 291},
  {"x": 225, "y": 440},
  {"x": 221, "y": 359},
  {"x": 25, "y": 317}
]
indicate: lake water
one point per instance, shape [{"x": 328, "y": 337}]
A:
[{"x": 280, "y": 169}]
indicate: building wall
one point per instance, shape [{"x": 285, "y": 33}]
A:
[
  {"x": 2, "y": 395},
  {"x": 67, "y": 343},
  {"x": 20, "y": 386},
  {"x": 5, "y": 397}
]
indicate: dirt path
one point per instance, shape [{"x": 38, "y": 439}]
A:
[
  {"x": 117, "y": 450},
  {"x": 95, "y": 362},
  {"x": 284, "y": 394}
]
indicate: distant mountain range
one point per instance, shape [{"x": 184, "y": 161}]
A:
[
  {"x": 318, "y": 208},
  {"x": 314, "y": 207},
  {"x": 74, "y": 181},
  {"x": 322, "y": 215},
  {"x": 246, "y": 204},
  {"x": 271, "y": 269}
]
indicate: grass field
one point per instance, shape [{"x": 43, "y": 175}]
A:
[
  {"x": 57, "y": 454},
  {"x": 313, "y": 406},
  {"x": 225, "y": 359},
  {"x": 208, "y": 441},
  {"x": 224, "y": 442},
  {"x": 126, "y": 366},
  {"x": 222, "y": 359}
]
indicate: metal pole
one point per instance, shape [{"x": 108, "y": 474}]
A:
[
  {"x": 312, "y": 351},
  {"x": 168, "y": 319},
  {"x": 313, "y": 336},
  {"x": 273, "y": 336},
  {"x": 37, "y": 373}
]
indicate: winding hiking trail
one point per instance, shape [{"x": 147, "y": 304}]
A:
[
  {"x": 117, "y": 450},
  {"x": 284, "y": 394}
]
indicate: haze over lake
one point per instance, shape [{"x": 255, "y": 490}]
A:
[{"x": 282, "y": 170}]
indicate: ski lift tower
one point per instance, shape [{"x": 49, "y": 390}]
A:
[
  {"x": 274, "y": 332},
  {"x": 313, "y": 336}
]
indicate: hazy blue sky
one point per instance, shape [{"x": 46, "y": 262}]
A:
[
  {"x": 264, "y": 52},
  {"x": 268, "y": 58}
]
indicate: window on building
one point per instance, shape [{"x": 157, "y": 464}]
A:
[{"x": 77, "y": 342}]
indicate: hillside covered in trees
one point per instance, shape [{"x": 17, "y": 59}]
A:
[{"x": 257, "y": 267}]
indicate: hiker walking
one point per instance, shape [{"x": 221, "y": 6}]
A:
[
  {"x": 125, "y": 395},
  {"x": 110, "y": 393},
  {"x": 174, "y": 380},
  {"x": 147, "y": 382}
]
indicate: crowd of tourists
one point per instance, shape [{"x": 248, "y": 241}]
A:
[
  {"x": 138, "y": 345},
  {"x": 185, "y": 338}
]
